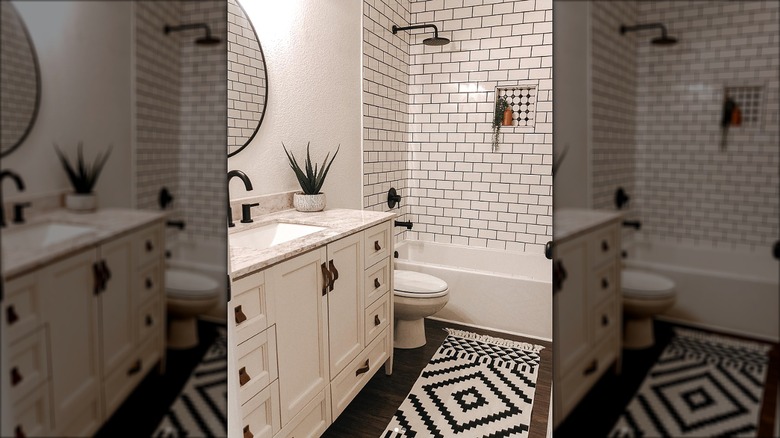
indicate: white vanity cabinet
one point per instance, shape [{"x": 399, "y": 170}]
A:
[
  {"x": 311, "y": 314},
  {"x": 587, "y": 312},
  {"x": 74, "y": 330}
]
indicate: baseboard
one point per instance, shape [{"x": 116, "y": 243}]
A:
[
  {"x": 717, "y": 328},
  {"x": 492, "y": 329}
]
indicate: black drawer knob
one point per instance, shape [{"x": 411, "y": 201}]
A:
[
  {"x": 11, "y": 315},
  {"x": 604, "y": 246}
]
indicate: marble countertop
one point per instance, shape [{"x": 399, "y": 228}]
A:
[
  {"x": 338, "y": 222},
  {"x": 568, "y": 222},
  {"x": 106, "y": 223}
]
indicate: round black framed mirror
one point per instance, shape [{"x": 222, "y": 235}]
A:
[
  {"x": 20, "y": 80},
  {"x": 247, "y": 80}
]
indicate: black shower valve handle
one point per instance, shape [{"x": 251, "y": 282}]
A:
[{"x": 393, "y": 198}]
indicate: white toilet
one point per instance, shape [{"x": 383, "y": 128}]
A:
[
  {"x": 189, "y": 294},
  {"x": 644, "y": 296},
  {"x": 417, "y": 295}
]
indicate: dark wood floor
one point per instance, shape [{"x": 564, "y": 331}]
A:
[
  {"x": 373, "y": 408},
  {"x": 598, "y": 412},
  {"x": 143, "y": 410}
]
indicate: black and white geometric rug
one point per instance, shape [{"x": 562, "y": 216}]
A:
[
  {"x": 702, "y": 385},
  {"x": 474, "y": 386},
  {"x": 201, "y": 408}
]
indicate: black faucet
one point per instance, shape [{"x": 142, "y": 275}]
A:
[
  {"x": 19, "y": 186},
  {"x": 247, "y": 186},
  {"x": 408, "y": 225}
]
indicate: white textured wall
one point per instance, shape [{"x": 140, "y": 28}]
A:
[
  {"x": 84, "y": 50},
  {"x": 313, "y": 54}
]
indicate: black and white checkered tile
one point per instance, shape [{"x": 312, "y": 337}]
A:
[
  {"x": 701, "y": 385},
  {"x": 472, "y": 388},
  {"x": 201, "y": 408}
]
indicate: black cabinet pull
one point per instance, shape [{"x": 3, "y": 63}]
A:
[
  {"x": 16, "y": 376},
  {"x": 377, "y": 246},
  {"x": 148, "y": 283},
  {"x": 334, "y": 274},
  {"x": 248, "y": 433},
  {"x": 10, "y": 315},
  {"x": 604, "y": 246},
  {"x": 97, "y": 278},
  {"x": 149, "y": 320},
  {"x": 240, "y": 317},
  {"x": 243, "y": 376},
  {"x": 106, "y": 271},
  {"x": 604, "y": 320},
  {"x": 19, "y": 432},
  {"x": 376, "y": 320},
  {"x": 149, "y": 246},
  {"x": 135, "y": 368},
  {"x": 376, "y": 283},
  {"x": 325, "y": 278},
  {"x": 559, "y": 274},
  {"x": 591, "y": 368},
  {"x": 604, "y": 283},
  {"x": 362, "y": 369}
]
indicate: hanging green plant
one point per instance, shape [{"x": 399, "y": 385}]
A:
[{"x": 498, "y": 116}]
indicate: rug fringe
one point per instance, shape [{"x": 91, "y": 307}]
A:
[
  {"x": 495, "y": 341},
  {"x": 727, "y": 340}
]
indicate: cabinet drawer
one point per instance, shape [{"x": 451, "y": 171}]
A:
[
  {"x": 30, "y": 416},
  {"x": 605, "y": 320},
  {"x": 27, "y": 365},
  {"x": 150, "y": 320},
  {"x": 119, "y": 384},
  {"x": 604, "y": 245},
  {"x": 256, "y": 364},
  {"x": 378, "y": 241},
  {"x": 575, "y": 384},
  {"x": 148, "y": 283},
  {"x": 377, "y": 281},
  {"x": 21, "y": 307},
  {"x": 251, "y": 308},
  {"x": 312, "y": 420},
  {"x": 148, "y": 245},
  {"x": 347, "y": 384},
  {"x": 377, "y": 317},
  {"x": 603, "y": 285},
  {"x": 260, "y": 414}
]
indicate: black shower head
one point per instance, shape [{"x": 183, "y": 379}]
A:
[
  {"x": 206, "y": 40},
  {"x": 436, "y": 40},
  {"x": 663, "y": 40}
]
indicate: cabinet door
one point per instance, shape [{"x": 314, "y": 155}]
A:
[
  {"x": 296, "y": 286},
  {"x": 345, "y": 302},
  {"x": 117, "y": 305},
  {"x": 70, "y": 308},
  {"x": 570, "y": 306}
]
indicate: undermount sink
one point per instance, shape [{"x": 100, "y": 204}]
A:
[
  {"x": 41, "y": 236},
  {"x": 270, "y": 235}
]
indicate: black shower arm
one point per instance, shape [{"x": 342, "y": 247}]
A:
[
  {"x": 417, "y": 26},
  {"x": 169, "y": 29},
  {"x": 624, "y": 29}
]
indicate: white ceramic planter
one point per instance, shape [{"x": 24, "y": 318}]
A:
[
  {"x": 303, "y": 202},
  {"x": 81, "y": 203}
]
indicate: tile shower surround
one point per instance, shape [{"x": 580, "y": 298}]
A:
[
  {"x": 458, "y": 190},
  {"x": 180, "y": 114}
]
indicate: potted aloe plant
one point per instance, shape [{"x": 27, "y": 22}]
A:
[
  {"x": 83, "y": 178},
  {"x": 311, "y": 179}
]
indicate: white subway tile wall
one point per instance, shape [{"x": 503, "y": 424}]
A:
[
  {"x": 203, "y": 162},
  {"x": 180, "y": 114},
  {"x": 462, "y": 191},
  {"x": 428, "y": 114},
  {"x": 385, "y": 105},
  {"x": 157, "y": 89},
  {"x": 689, "y": 190},
  {"x": 613, "y": 101}
]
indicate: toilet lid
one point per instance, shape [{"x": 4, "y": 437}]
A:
[
  {"x": 187, "y": 284},
  {"x": 639, "y": 284},
  {"x": 410, "y": 283}
]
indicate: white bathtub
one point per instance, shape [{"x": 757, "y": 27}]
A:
[
  {"x": 723, "y": 290},
  {"x": 206, "y": 256},
  {"x": 500, "y": 290}
]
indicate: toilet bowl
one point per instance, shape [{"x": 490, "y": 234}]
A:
[
  {"x": 644, "y": 296},
  {"x": 417, "y": 295},
  {"x": 188, "y": 294}
]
